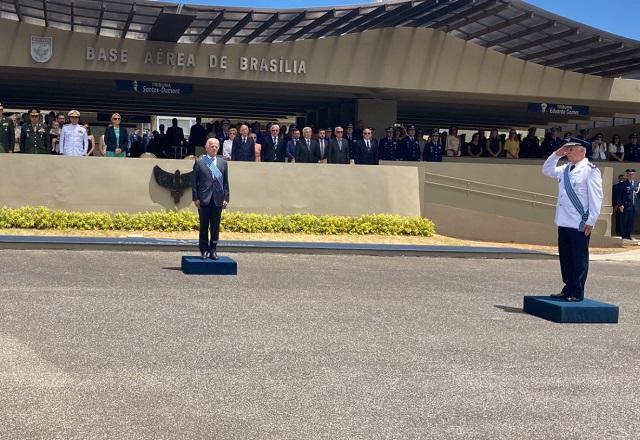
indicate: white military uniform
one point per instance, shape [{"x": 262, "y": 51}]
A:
[
  {"x": 73, "y": 140},
  {"x": 587, "y": 184}
]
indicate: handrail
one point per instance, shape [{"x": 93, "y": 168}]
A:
[{"x": 490, "y": 185}]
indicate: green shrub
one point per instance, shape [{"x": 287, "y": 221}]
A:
[{"x": 169, "y": 221}]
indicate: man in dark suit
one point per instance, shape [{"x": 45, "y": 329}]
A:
[
  {"x": 338, "y": 148},
  {"x": 273, "y": 146},
  {"x": 197, "y": 136},
  {"x": 244, "y": 148},
  {"x": 366, "y": 149},
  {"x": 210, "y": 194},
  {"x": 307, "y": 150},
  {"x": 323, "y": 145},
  {"x": 175, "y": 134}
]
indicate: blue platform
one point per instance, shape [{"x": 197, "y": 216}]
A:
[
  {"x": 560, "y": 310},
  {"x": 200, "y": 266}
]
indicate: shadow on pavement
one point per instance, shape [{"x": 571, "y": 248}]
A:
[{"x": 509, "y": 309}]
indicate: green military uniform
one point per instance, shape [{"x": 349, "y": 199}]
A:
[
  {"x": 7, "y": 133},
  {"x": 35, "y": 139}
]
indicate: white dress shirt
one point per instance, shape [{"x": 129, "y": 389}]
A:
[
  {"x": 587, "y": 184},
  {"x": 227, "y": 146},
  {"x": 73, "y": 140}
]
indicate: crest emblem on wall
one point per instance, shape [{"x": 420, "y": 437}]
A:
[{"x": 41, "y": 49}]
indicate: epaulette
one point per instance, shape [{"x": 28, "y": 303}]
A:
[{"x": 592, "y": 165}]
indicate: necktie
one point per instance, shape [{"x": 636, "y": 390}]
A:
[
  {"x": 244, "y": 140},
  {"x": 322, "y": 147},
  {"x": 572, "y": 167},
  {"x": 368, "y": 146},
  {"x": 308, "y": 145},
  {"x": 340, "y": 144},
  {"x": 275, "y": 142}
]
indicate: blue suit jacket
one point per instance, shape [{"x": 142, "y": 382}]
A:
[{"x": 204, "y": 186}]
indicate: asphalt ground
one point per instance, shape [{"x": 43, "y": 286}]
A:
[{"x": 122, "y": 345}]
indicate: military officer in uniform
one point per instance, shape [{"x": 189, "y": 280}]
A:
[
  {"x": 35, "y": 135},
  {"x": 410, "y": 146},
  {"x": 7, "y": 133},
  {"x": 627, "y": 196},
  {"x": 577, "y": 210},
  {"x": 73, "y": 137},
  {"x": 388, "y": 146},
  {"x": 433, "y": 148}
]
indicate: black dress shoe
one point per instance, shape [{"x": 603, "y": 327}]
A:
[
  {"x": 214, "y": 255},
  {"x": 205, "y": 255},
  {"x": 573, "y": 299},
  {"x": 557, "y": 295}
]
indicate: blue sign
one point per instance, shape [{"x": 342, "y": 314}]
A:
[
  {"x": 558, "y": 109},
  {"x": 154, "y": 87}
]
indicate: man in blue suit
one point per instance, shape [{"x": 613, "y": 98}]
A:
[
  {"x": 210, "y": 194},
  {"x": 244, "y": 148}
]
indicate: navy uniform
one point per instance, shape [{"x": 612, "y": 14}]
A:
[
  {"x": 627, "y": 196},
  {"x": 73, "y": 137},
  {"x": 389, "y": 146},
  {"x": 34, "y": 138},
  {"x": 410, "y": 146},
  {"x": 579, "y": 204},
  {"x": 433, "y": 149},
  {"x": 7, "y": 133}
]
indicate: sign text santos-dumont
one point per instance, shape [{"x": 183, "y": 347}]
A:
[{"x": 186, "y": 59}]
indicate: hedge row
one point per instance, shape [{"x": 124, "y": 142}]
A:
[{"x": 169, "y": 221}]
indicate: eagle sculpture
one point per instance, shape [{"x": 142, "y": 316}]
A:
[{"x": 176, "y": 182}]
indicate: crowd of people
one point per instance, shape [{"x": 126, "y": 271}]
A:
[{"x": 64, "y": 134}]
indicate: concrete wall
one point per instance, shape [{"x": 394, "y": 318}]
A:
[{"x": 107, "y": 184}]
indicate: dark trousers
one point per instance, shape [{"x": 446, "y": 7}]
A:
[
  {"x": 573, "y": 247},
  {"x": 626, "y": 222},
  {"x": 209, "y": 227}
]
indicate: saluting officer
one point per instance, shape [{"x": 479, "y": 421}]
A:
[
  {"x": 73, "y": 137},
  {"x": 35, "y": 135},
  {"x": 577, "y": 210},
  {"x": 388, "y": 146},
  {"x": 7, "y": 133},
  {"x": 410, "y": 146},
  {"x": 627, "y": 196}
]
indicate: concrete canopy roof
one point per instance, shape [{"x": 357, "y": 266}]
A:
[{"x": 511, "y": 27}]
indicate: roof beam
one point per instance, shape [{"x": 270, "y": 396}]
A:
[
  {"x": 45, "y": 13},
  {"x": 132, "y": 12},
  {"x": 16, "y": 6},
  {"x": 522, "y": 33},
  {"x": 290, "y": 25},
  {"x": 585, "y": 53},
  {"x": 610, "y": 57},
  {"x": 362, "y": 23},
  {"x": 619, "y": 72},
  {"x": 433, "y": 16},
  {"x": 311, "y": 26},
  {"x": 564, "y": 47},
  {"x": 339, "y": 22},
  {"x": 239, "y": 26},
  {"x": 469, "y": 15},
  {"x": 263, "y": 27},
  {"x": 515, "y": 20},
  {"x": 72, "y": 16},
  {"x": 539, "y": 41},
  {"x": 100, "y": 17},
  {"x": 610, "y": 66},
  {"x": 393, "y": 18},
  {"x": 210, "y": 27}
]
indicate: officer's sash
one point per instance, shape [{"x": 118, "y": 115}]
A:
[{"x": 575, "y": 201}]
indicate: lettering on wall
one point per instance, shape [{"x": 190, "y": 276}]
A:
[{"x": 162, "y": 57}]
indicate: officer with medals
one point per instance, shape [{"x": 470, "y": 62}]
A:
[
  {"x": 73, "y": 137},
  {"x": 627, "y": 196},
  {"x": 7, "y": 133},
  {"x": 410, "y": 146},
  {"x": 35, "y": 136},
  {"x": 577, "y": 210},
  {"x": 388, "y": 146}
]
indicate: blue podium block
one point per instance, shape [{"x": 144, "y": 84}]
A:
[
  {"x": 560, "y": 310},
  {"x": 200, "y": 266}
]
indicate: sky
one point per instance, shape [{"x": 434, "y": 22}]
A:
[{"x": 621, "y": 17}]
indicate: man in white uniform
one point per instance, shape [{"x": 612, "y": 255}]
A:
[
  {"x": 73, "y": 137},
  {"x": 578, "y": 208}
]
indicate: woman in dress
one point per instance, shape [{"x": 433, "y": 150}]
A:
[{"x": 512, "y": 145}]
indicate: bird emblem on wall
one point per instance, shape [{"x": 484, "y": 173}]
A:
[{"x": 176, "y": 182}]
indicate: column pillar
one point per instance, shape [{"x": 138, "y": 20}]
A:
[{"x": 377, "y": 114}]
